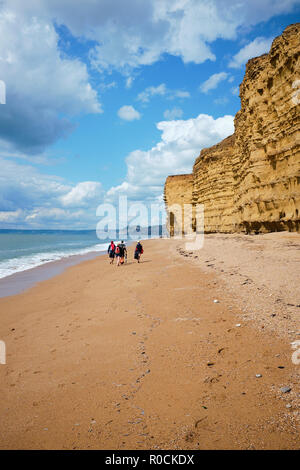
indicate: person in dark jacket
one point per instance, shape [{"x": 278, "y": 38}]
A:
[
  {"x": 138, "y": 251},
  {"x": 123, "y": 251}
]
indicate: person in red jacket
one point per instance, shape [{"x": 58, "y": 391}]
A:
[{"x": 111, "y": 251}]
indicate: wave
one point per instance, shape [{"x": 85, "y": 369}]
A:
[{"x": 23, "y": 263}]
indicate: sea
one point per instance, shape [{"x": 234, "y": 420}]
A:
[{"x": 21, "y": 250}]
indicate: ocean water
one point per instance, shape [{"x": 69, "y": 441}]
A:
[{"x": 21, "y": 250}]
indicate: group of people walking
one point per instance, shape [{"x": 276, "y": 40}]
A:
[{"x": 119, "y": 251}]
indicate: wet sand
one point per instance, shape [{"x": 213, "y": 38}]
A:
[
  {"x": 23, "y": 280},
  {"x": 141, "y": 357}
]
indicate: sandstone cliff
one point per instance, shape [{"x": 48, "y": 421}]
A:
[
  {"x": 178, "y": 193},
  {"x": 250, "y": 181},
  {"x": 213, "y": 185}
]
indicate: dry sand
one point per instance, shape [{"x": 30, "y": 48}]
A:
[{"x": 141, "y": 357}]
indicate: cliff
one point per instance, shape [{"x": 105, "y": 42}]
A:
[
  {"x": 250, "y": 181},
  {"x": 178, "y": 193},
  {"x": 213, "y": 185},
  {"x": 267, "y": 196}
]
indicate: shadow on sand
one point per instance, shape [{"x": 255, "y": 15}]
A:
[{"x": 135, "y": 262}]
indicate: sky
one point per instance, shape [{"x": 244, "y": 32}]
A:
[{"x": 106, "y": 98}]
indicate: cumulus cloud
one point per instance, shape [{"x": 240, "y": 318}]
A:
[
  {"x": 30, "y": 198},
  {"x": 173, "y": 113},
  {"x": 10, "y": 216},
  {"x": 135, "y": 33},
  {"x": 24, "y": 187},
  {"x": 53, "y": 214},
  {"x": 82, "y": 194},
  {"x": 128, "y": 113},
  {"x": 254, "y": 49},
  {"x": 180, "y": 144},
  {"x": 42, "y": 87},
  {"x": 213, "y": 81}
]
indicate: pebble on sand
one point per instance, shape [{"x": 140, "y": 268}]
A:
[
  {"x": 216, "y": 301},
  {"x": 258, "y": 376},
  {"x": 285, "y": 389}
]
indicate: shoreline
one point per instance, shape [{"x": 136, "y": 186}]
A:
[
  {"x": 21, "y": 281},
  {"x": 141, "y": 357}
]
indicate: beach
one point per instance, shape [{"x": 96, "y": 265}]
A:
[{"x": 186, "y": 350}]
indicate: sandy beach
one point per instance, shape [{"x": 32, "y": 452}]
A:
[{"x": 142, "y": 357}]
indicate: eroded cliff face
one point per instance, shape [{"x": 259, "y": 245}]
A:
[
  {"x": 178, "y": 195},
  {"x": 267, "y": 196},
  {"x": 251, "y": 181},
  {"x": 213, "y": 185}
]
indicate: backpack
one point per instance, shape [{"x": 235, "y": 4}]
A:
[{"x": 117, "y": 250}]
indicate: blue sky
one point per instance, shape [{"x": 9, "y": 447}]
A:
[{"x": 108, "y": 98}]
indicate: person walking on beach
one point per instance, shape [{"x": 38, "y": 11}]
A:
[
  {"x": 123, "y": 251},
  {"x": 138, "y": 251},
  {"x": 118, "y": 253},
  {"x": 111, "y": 252}
]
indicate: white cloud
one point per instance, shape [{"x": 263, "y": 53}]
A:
[
  {"x": 150, "y": 91},
  {"x": 213, "y": 81},
  {"x": 24, "y": 187},
  {"x": 52, "y": 214},
  {"x": 180, "y": 144},
  {"x": 128, "y": 113},
  {"x": 254, "y": 49},
  {"x": 41, "y": 84},
  {"x": 235, "y": 91},
  {"x": 82, "y": 194},
  {"x": 10, "y": 216},
  {"x": 173, "y": 113},
  {"x": 29, "y": 198},
  {"x": 221, "y": 101},
  {"x": 161, "y": 90},
  {"x": 181, "y": 94},
  {"x": 129, "y": 81},
  {"x": 134, "y": 33},
  {"x": 108, "y": 86}
]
